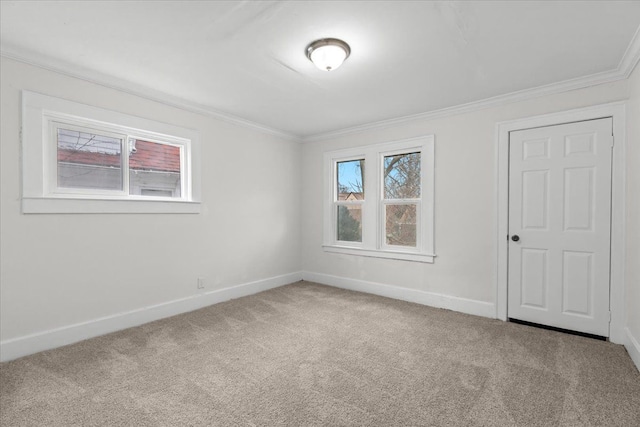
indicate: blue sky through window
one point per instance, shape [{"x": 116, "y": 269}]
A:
[{"x": 349, "y": 176}]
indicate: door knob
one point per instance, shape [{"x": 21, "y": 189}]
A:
[{"x": 515, "y": 237}]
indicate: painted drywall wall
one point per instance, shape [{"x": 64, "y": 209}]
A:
[
  {"x": 465, "y": 198},
  {"x": 632, "y": 274},
  {"x": 61, "y": 270}
]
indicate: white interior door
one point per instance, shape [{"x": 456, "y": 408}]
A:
[{"x": 559, "y": 225}]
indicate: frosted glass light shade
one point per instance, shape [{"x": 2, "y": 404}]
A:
[{"x": 328, "y": 54}]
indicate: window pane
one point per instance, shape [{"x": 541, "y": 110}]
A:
[
  {"x": 400, "y": 227},
  {"x": 402, "y": 176},
  {"x": 351, "y": 180},
  {"x": 154, "y": 169},
  {"x": 89, "y": 160},
  {"x": 350, "y": 223}
]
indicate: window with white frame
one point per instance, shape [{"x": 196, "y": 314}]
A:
[
  {"x": 349, "y": 200},
  {"x": 83, "y": 159},
  {"x": 395, "y": 218}
]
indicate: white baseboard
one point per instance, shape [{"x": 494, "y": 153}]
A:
[
  {"x": 632, "y": 344},
  {"x": 34, "y": 343},
  {"x": 478, "y": 308}
]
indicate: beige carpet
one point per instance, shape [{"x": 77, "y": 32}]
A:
[{"x": 307, "y": 354}]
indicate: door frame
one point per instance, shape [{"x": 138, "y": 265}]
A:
[{"x": 617, "y": 111}]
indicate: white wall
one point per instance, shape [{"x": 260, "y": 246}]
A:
[
  {"x": 262, "y": 214},
  {"x": 465, "y": 200},
  {"x": 632, "y": 275},
  {"x": 61, "y": 270}
]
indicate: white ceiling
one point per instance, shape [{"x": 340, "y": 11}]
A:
[{"x": 246, "y": 58}]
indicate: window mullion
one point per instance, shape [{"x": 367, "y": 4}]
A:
[
  {"x": 369, "y": 214},
  {"x": 126, "y": 150},
  {"x": 380, "y": 208},
  {"x": 50, "y": 151},
  {"x": 185, "y": 181}
]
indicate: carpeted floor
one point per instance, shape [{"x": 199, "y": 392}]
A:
[{"x": 307, "y": 354}]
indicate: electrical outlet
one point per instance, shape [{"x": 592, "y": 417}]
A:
[{"x": 200, "y": 283}]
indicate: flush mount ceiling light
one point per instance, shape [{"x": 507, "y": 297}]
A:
[{"x": 328, "y": 54}]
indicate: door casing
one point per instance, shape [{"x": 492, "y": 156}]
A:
[{"x": 617, "y": 112}]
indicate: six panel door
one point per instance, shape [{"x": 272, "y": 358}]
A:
[{"x": 559, "y": 209}]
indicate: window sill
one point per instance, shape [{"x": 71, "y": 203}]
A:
[
  {"x": 59, "y": 205},
  {"x": 405, "y": 256}
]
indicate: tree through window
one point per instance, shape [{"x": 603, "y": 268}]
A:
[
  {"x": 401, "y": 198},
  {"x": 389, "y": 214}
]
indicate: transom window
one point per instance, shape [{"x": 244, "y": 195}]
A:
[{"x": 395, "y": 218}]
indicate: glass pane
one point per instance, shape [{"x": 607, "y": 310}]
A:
[
  {"x": 402, "y": 176},
  {"x": 89, "y": 160},
  {"x": 400, "y": 226},
  {"x": 154, "y": 169},
  {"x": 351, "y": 180},
  {"x": 350, "y": 223}
]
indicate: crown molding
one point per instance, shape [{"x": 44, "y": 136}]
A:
[
  {"x": 631, "y": 56},
  {"x": 137, "y": 90},
  {"x": 551, "y": 89},
  {"x": 624, "y": 69}
]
